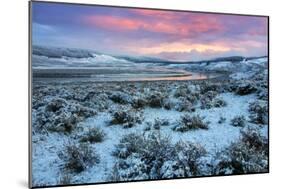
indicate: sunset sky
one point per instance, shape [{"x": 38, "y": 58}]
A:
[{"x": 141, "y": 32}]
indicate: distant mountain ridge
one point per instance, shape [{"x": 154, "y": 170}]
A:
[{"x": 58, "y": 52}]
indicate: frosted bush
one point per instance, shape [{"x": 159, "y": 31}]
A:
[
  {"x": 184, "y": 105},
  {"x": 64, "y": 123},
  {"x": 209, "y": 87},
  {"x": 169, "y": 103},
  {"x": 61, "y": 116},
  {"x": 78, "y": 158},
  {"x": 181, "y": 91},
  {"x": 222, "y": 120},
  {"x": 155, "y": 157},
  {"x": 219, "y": 102},
  {"x": 129, "y": 144},
  {"x": 207, "y": 99},
  {"x": 132, "y": 168},
  {"x": 56, "y": 104},
  {"x": 126, "y": 118},
  {"x": 160, "y": 122},
  {"x": 192, "y": 97},
  {"x": 248, "y": 155},
  {"x": 245, "y": 88},
  {"x": 120, "y": 97},
  {"x": 138, "y": 103},
  {"x": 189, "y": 93},
  {"x": 188, "y": 157},
  {"x": 155, "y": 100},
  {"x": 238, "y": 121},
  {"x": 262, "y": 94},
  {"x": 188, "y": 122},
  {"x": 258, "y": 112},
  {"x": 94, "y": 135}
]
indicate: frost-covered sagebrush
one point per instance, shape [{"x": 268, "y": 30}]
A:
[
  {"x": 94, "y": 135},
  {"x": 238, "y": 121},
  {"x": 127, "y": 118},
  {"x": 154, "y": 157},
  {"x": 248, "y": 155},
  {"x": 188, "y": 122},
  {"x": 78, "y": 157},
  {"x": 259, "y": 112}
]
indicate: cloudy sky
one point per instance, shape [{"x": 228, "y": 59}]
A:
[{"x": 164, "y": 34}]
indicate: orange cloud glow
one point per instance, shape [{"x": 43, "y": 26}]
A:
[{"x": 183, "y": 47}]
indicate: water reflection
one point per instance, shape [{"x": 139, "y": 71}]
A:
[
  {"x": 191, "y": 76},
  {"x": 114, "y": 74}
]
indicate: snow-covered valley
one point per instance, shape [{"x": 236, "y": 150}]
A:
[{"x": 93, "y": 131}]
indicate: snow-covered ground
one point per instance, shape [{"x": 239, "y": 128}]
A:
[{"x": 47, "y": 165}]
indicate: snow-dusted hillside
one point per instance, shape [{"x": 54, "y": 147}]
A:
[
  {"x": 44, "y": 57},
  {"x": 253, "y": 64}
]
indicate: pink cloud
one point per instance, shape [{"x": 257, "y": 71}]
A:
[
  {"x": 113, "y": 23},
  {"x": 181, "y": 27},
  {"x": 167, "y": 15},
  {"x": 129, "y": 24}
]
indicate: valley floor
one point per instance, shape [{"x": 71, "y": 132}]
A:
[{"x": 203, "y": 123}]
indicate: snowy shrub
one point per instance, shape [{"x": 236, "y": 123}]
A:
[
  {"x": 181, "y": 91},
  {"x": 189, "y": 93},
  {"x": 245, "y": 88},
  {"x": 132, "y": 168},
  {"x": 64, "y": 123},
  {"x": 94, "y": 135},
  {"x": 238, "y": 121},
  {"x": 188, "y": 122},
  {"x": 83, "y": 112},
  {"x": 184, "y": 105},
  {"x": 207, "y": 87},
  {"x": 169, "y": 103},
  {"x": 206, "y": 103},
  {"x": 158, "y": 158},
  {"x": 262, "y": 94},
  {"x": 219, "y": 102},
  {"x": 192, "y": 97},
  {"x": 155, "y": 100},
  {"x": 155, "y": 151},
  {"x": 253, "y": 138},
  {"x": 131, "y": 143},
  {"x": 188, "y": 157},
  {"x": 222, "y": 120},
  {"x": 120, "y": 97},
  {"x": 127, "y": 118},
  {"x": 186, "y": 162},
  {"x": 210, "y": 94},
  {"x": 138, "y": 103},
  {"x": 248, "y": 155},
  {"x": 55, "y": 104},
  {"x": 77, "y": 158},
  {"x": 58, "y": 115},
  {"x": 258, "y": 112},
  {"x": 148, "y": 126},
  {"x": 160, "y": 122},
  {"x": 207, "y": 100}
]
